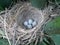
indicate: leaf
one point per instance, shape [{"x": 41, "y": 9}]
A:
[
  {"x": 5, "y": 3},
  {"x": 56, "y": 38},
  {"x": 38, "y": 3},
  {"x": 53, "y": 27},
  {"x": 2, "y": 33},
  {"x": 55, "y": 1},
  {"x": 52, "y": 1},
  {"x": 1, "y": 8},
  {"x": 3, "y": 41}
]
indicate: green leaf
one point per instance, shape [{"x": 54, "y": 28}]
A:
[
  {"x": 52, "y": 1},
  {"x": 53, "y": 27},
  {"x": 1, "y": 8},
  {"x": 2, "y": 33},
  {"x": 3, "y": 41},
  {"x": 38, "y": 3},
  {"x": 55, "y": 1},
  {"x": 5, "y": 3},
  {"x": 56, "y": 38}
]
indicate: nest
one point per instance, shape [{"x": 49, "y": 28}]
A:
[{"x": 13, "y": 19}]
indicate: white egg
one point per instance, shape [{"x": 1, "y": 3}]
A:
[
  {"x": 30, "y": 21},
  {"x": 29, "y": 26},
  {"x": 25, "y": 23},
  {"x": 34, "y": 23}
]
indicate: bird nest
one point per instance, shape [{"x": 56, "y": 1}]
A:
[{"x": 13, "y": 23}]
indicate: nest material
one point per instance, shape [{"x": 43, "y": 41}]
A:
[
  {"x": 14, "y": 27},
  {"x": 17, "y": 15},
  {"x": 26, "y": 11}
]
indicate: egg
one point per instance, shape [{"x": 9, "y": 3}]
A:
[
  {"x": 29, "y": 26},
  {"x": 25, "y": 23},
  {"x": 34, "y": 23},
  {"x": 30, "y": 21}
]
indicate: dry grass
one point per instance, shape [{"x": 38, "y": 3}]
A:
[{"x": 12, "y": 20}]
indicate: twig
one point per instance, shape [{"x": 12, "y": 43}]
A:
[
  {"x": 5, "y": 28},
  {"x": 36, "y": 41}
]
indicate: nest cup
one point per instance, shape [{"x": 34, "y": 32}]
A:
[{"x": 28, "y": 12}]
